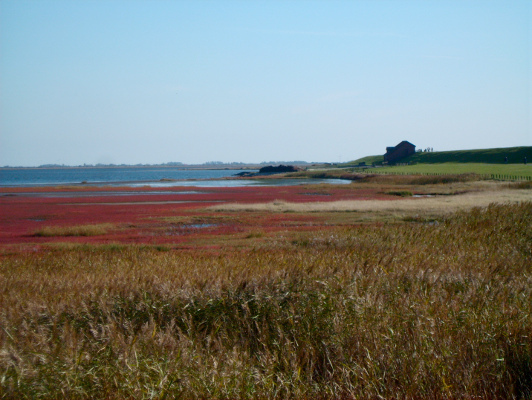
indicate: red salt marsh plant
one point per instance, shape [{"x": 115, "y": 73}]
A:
[
  {"x": 405, "y": 310},
  {"x": 23, "y": 215}
]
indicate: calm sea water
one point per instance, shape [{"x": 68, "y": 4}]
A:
[
  {"x": 116, "y": 175},
  {"x": 136, "y": 176}
]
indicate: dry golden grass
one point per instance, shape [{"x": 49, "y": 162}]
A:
[
  {"x": 406, "y": 310},
  {"x": 435, "y": 205}
]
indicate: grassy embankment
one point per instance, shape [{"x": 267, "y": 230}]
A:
[
  {"x": 515, "y": 155},
  {"x": 423, "y": 308},
  {"x": 488, "y": 163}
]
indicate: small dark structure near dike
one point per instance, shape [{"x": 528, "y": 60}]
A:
[
  {"x": 279, "y": 169},
  {"x": 397, "y": 153},
  {"x": 270, "y": 170}
]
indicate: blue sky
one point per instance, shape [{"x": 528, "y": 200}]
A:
[{"x": 197, "y": 81}]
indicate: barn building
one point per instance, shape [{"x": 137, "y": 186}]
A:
[{"x": 397, "y": 153}]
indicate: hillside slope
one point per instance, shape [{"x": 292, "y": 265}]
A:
[{"x": 515, "y": 155}]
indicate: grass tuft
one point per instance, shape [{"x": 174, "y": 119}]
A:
[
  {"x": 77, "y": 230},
  {"x": 400, "y": 193}
]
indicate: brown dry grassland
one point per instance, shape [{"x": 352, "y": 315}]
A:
[
  {"x": 413, "y": 298},
  {"x": 427, "y": 205}
]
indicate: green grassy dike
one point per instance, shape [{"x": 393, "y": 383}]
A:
[
  {"x": 499, "y": 164},
  {"x": 438, "y": 309},
  {"x": 515, "y": 155},
  {"x": 505, "y": 155}
]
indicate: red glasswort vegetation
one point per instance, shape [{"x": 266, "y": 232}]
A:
[{"x": 138, "y": 214}]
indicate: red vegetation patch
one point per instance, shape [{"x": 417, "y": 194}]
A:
[{"x": 139, "y": 216}]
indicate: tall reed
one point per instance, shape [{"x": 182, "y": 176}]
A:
[{"x": 411, "y": 310}]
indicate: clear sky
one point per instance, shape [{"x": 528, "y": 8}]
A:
[{"x": 141, "y": 81}]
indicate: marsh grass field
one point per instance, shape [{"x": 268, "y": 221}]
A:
[{"x": 349, "y": 298}]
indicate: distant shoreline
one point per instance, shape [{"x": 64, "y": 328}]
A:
[{"x": 183, "y": 167}]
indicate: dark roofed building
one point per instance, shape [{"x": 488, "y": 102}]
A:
[{"x": 397, "y": 153}]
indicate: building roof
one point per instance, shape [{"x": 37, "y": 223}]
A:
[{"x": 405, "y": 142}]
